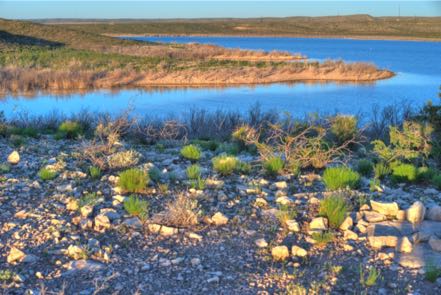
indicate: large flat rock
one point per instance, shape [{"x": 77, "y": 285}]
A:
[{"x": 421, "y": 256}]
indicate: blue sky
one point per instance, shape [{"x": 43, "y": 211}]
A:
[{"x": 196, "y": 9}]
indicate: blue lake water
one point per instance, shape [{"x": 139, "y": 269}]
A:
[{"x": 417, "y": 65}]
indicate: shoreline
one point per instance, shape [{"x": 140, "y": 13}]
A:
[{"x": 343, "y": 37}]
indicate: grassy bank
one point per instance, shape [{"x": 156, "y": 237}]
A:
[
  {"x": 37, "y": 57},
  {"x": 356, "y": 26}
]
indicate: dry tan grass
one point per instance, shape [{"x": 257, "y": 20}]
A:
[{"x": 182, "y": 212}]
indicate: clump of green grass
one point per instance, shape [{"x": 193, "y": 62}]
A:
[
  {"x": 432, "y": 273},
  {"x": 194, "y": 172},
  {"x": 425, "y": 174},
  {"x": 334, "y": 208},
  {"x": 133, "y": 180},
  {"x": 404, "y": 173},
  {"x": 4, "y": 168},
  {"x": 198, "y": 183},
  {"x": 374, "y": 184},
  {"x": 94, "y": 172},
  {"x": 69, "y": 129},
  {"x": 6, "y": 275},
  {"x": 369, "y": 278},
  {"x": 340, "y": 177},
  {"x": 381, "y": 170},
  {"x": 211, "y": 145},
  {"x": 285, "y": 213},
  {"x": 225, "y": 165},
  {"x": 322, "y": 238},
  {"x": 90, "y": 199},
  {"x": 46, "y": 174},
  {"x": 243, "y": 168},
  {"x": 273, "y": 166},
  {"x": 137, "y": 207},
  {"x": 365, "y": 167},
  {"x": 191, "y": 152},
  {"x": 229, "y": 148},
  {"x": 155, "y": 174}
]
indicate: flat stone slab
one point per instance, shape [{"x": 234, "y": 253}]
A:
[
  {"x": 421, "y": 256},
  {"x": 391, "y": 228}
]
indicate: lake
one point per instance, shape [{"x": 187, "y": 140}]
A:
[{"x": 417, "y": 65}]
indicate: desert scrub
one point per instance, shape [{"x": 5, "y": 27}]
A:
[
  {"x": 133, "y": 180},
  {"x": 225, "y": 165},
  {"x": 341, "y": 177},
  {"x": 123, "y": 159},
  {"x": 243, "y": 167},
  {"x": 135, "y": 206},
  {"x": 94, "y": 172},
  {"x": 229, "y": 148},
  {"x": 191, "y": 152},
  {"x": 404, "y": 173},
  {"x": 365, "y": 167},
  {"x": 4, "y": 168},
  {"x": 381, "y": 170},
  {"x": 182, "y": 212},
  {"x": 210, "y": 145},
  {"x": 344, "y": 128},
  {"x": 273, "y": 166},
  {"x": 193, "y": 172},
  {"x": 69, "y": 129},
  {"x": 6, "y": 275},
  {"x": 334, "y": 208},
  {"x": 425, "y": 174},
  {"x": 46, "y": 174}
]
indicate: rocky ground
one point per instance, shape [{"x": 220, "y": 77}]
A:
[{"x": 51, "y": 244}]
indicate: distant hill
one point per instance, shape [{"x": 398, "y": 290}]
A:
[{"x": 359, "y": 26}]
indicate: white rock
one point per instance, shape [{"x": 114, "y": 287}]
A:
[
  {"x": 319, "y": 223},
  {"x": 388, "y": 209},
  {"x": 15, "y": 255},
  {"x": 261, "y": 243},
  {"x": 434, "y": 213},
  {"x": 298, "y": 251},
  {"x": 219, "y": 219},
  {"x": 14, "y": 158},
  {"x": 435, "y": 243},
  {"x": 347, "y": 223},
  {"x": 415, "y": 214},
  {"x": 293, "y": 225},
  {"x": 280, "y": 253}
]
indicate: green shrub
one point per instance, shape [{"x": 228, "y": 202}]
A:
[
  {"x": 6, "y": 275},
  {"x": 155, "y": 174},
  {"x": 432, "y": 273},
  {"x": 344, "y": 128},
  {"x": 17, "y": 140},
  {"x": 90, "y": 199},
  {"x": 273, "y": 166},
  {"x": 206, "y": 144},
  {"x": 230, "y": 148},
  {"x": 370, "y": 278},
  {"x": 374, "y": 184},
  {"x": 425, "y": 174},
  {"x": 322, "y": 238},
  {"x": 243, "y": 167},
  {"x": 225, "y": 165},
  {"x": 191, "y": 152},
  {"x": 340, "y": 178},
  {"x": 25, "y": 131},
  {"x": 194, "y": 172},
  {"x": 365, "y": 167},
  {"x": 133, "y": 180},
  {"x": 94, "y": 172},
  {"x": 381, "y": 170},
  {"x": 198, "y": 183},
  {"x": 334, "y": 208},
  {"x": 4, "y": 168},
  {"x": 404, "y": 173},
  {"x": 69, "y": 129},
  {"x": 436, "y": 181},
  {"x": 137, "y": 207},
  {"x": 46, "y": 174}
]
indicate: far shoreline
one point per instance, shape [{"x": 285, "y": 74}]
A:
[{"x": 343, "y": 37}]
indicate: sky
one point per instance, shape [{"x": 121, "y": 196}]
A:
[{"x": 36, "y": 9}]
